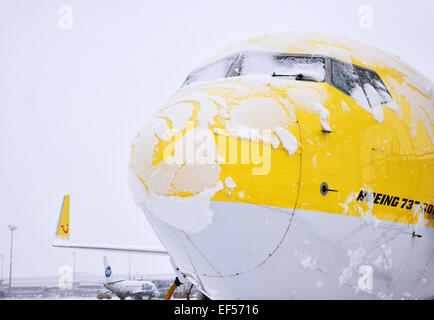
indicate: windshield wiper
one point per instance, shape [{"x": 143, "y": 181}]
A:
[{"x": 297, "y": 76}]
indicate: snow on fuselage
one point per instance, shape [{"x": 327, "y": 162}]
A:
[{"x": 294, "y": 166}]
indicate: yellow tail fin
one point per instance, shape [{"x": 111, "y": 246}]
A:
[{"x": 63, "y": 225}]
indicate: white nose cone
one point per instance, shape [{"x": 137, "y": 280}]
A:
[{"x": 191, "y": 214}]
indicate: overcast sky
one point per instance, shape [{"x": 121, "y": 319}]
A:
[{"x": 71, "y": 100}]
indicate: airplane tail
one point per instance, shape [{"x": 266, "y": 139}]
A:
[
  {"x": 107, "y": 269},
  {"x": 63, "y": 230}
]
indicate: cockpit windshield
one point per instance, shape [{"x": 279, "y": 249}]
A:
[
  {"x": 362, "y": 84},
  {"x": 301, "y": 67}
]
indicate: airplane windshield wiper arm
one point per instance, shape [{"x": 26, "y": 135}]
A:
[{"x": 297, "y": 76}]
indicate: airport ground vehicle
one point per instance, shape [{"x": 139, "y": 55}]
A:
[{"x": 103, "y": 295}]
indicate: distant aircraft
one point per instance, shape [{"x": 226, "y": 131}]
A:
[
  {"x": 294, "y": 166},
  {"x": 137, "y": 289}
]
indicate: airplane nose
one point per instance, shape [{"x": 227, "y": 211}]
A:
[{"x": 216, "y": 172}]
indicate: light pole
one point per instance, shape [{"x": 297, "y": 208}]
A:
[
  {"x": 73, "y": 270},
  {"x": 1, "y": 277},
  {"x": 129, "y": 266},
  {"x": 12, "y": 229}
]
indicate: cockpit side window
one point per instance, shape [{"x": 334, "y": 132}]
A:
[
  {"x": 215, "y": 70},
  {"x": 375, "y": 90}
]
